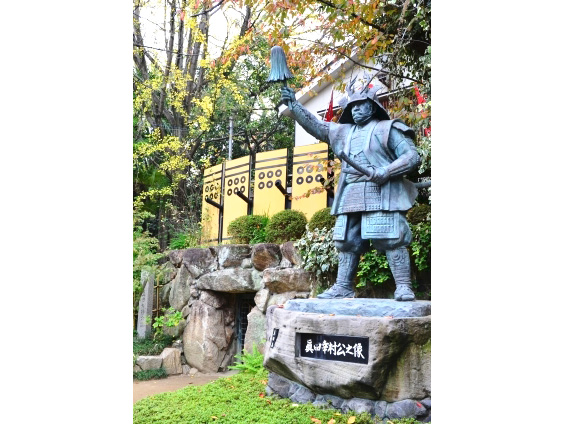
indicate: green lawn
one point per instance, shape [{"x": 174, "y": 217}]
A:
[{"x": 239, "y": 399}]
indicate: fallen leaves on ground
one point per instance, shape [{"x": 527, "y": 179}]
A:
[{"x": 351, "y": 420}]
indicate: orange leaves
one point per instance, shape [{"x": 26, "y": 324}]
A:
[
  {"x": 316, "y": 420},
  {"x": 262, "y": 396}
]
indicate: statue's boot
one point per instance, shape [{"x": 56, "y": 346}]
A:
[
  {"x": 399, "y": 262},
  {"x": 346, "y": 271}
]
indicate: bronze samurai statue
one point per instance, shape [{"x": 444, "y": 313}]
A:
[{"x": 373, "y": 195}]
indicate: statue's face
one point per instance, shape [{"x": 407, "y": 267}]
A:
[{"x": 362, "y": 111}]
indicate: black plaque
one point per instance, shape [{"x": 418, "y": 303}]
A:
[
  {"x": 274, "y": 336},
  {"x": 334, "y": 348}
]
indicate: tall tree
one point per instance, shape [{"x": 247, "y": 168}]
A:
[{"x": 183, "y": 100}]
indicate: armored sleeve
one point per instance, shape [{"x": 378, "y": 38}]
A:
[
  {"x": 400, "y": 142},
  {"x": 313, "y": 126}
]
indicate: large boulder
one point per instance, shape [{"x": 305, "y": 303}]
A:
[
  {"x": 175, "y": 257},
  {"x": 256, "y": 277},
  {"x": 280, "y": 280},
  {"x": 261, "y": 299},
  {"x": 199, "y": 261},
  {"x": 229, "y": 280},
  {"x": 149, "y": 362},
  {"x": 232, "y": 255},
  {"x": 282, "y": 298},
  {"x": 164, "y": 294},
  {"x": 209, "y": 344},
  {"x": 171, "y": 360},
  {"x": 166, "y": 275},
  {"x": 406, "y": 408},
  {"x": 290, "y": 253},
  {"x": 167, "y": 272},
  {"x": 255, "y": 334},
  {"x": 180, "y": 289},
  {"x": 266, "y": 255},
  {"x": 397, "y": 344},
  {"x": 410, "y": 377},
  {"x": 175, "y": 331},
  {"x": 213, "y": 299}
]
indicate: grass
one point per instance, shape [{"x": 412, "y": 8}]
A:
[{"x": 237, "y": 400}]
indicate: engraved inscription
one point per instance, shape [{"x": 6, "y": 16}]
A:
[{"x": 333, "y": 347}]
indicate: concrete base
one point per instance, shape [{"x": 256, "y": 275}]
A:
[{"x": 397, "y": 339}]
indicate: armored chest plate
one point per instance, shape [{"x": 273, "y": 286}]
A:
[{"x": 358, "y": 139}]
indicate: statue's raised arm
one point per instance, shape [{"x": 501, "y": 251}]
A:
[{"x": 313, "y": 126}]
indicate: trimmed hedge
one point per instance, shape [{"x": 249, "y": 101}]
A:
[
  {"x": 287, "y": 225},
  {"x": 418, "y": 213},
  {"x": 248, "y": 229},
  {"x": 322, "y": 220}
]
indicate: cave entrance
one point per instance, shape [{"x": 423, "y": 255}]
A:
[{"x": 244, "y": 303}]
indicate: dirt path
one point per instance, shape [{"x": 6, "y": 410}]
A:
[{"x": 143, "y": 389}]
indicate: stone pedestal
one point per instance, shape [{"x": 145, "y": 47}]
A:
[{"x": 365, "y": 354}]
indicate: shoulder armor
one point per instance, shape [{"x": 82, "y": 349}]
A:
[
  {"x": 399, "y": 125},
  {"x": 338, "y": 132}
]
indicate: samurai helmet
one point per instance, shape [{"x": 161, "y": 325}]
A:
[{"x": 360, "y": 92}]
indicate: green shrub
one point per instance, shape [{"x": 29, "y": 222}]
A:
[
  {"x": 319, "y": 254},
  {"x": 249, "y": 362},
  {"x": 286, "y": 226},
  {"x": 186, "y": 239},
  {"x": 151, "y": 346},
  {"x": 421, "y": 246},
  {"x": 322, "y": 219},
  {"x": 373, "y": 269},
  {"x": 248, "y": 229},
  {"x": 419, "y": 213},
  {"x": 170, "y": 318},
  {"x": 150, "y": 374}
]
